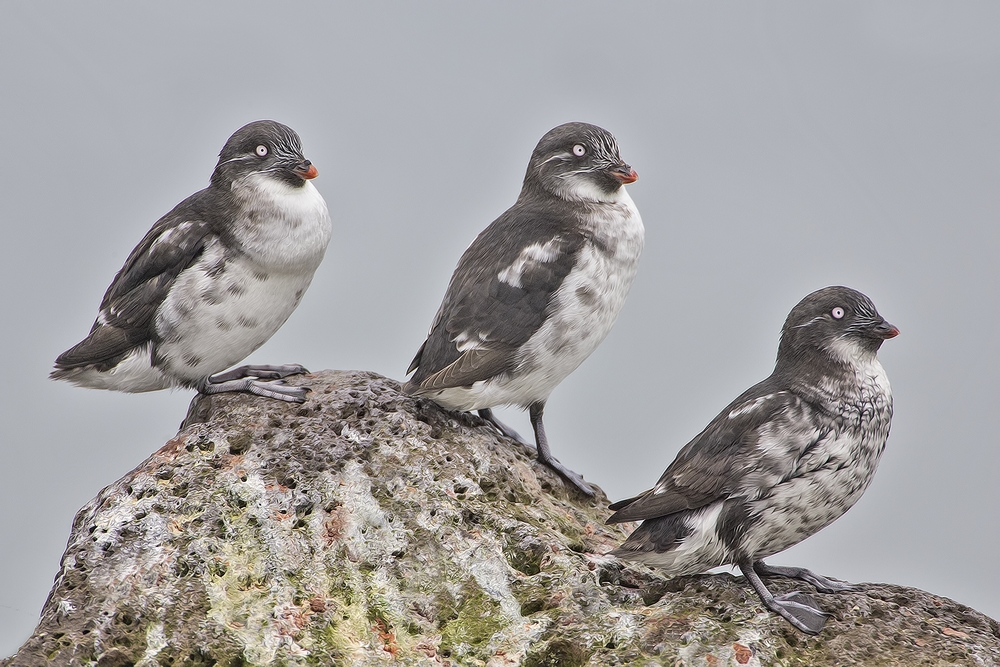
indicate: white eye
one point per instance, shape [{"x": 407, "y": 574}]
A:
[
  {"x": 838, "y": 313},
  {"x": 579, "y": 150},
  {"x": 262, "y": 150}
]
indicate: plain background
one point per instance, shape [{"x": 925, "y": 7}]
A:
[{"x": 781, "y": 147}]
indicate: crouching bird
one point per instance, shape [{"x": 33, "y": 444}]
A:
[
  {"x": 213, "y": 279},
  {"x": 538, "y": 289},
  {"x": 782, "y": 461}
]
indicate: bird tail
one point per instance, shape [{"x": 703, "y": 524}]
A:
[
  {"x": 416, "y": 358},
  {"x": 660, "y": 535}
]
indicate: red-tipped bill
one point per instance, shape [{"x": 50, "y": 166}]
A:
[
  {"x": 886, "y": 331},
  {"x": 625, "y": 174},
  {"x": 307, "y": 170}
]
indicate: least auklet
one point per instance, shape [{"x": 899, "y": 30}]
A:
[
  {"x": 782, "y": 461},
  {"x": 538, "y": 289},
  {"x": 213, "y": 279}
]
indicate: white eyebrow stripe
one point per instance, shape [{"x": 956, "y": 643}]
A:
[
  {"x": 558, "y": 156},
  {"x": 234, "y": 159},
  {"x": 750, "y": 406},
  {"x": 813, "y": 320}
]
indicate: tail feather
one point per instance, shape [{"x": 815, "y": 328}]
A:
[
  {"x": 655, "y": 538},
  {"x": 102, "y": 350},
  {"x": 416, "y": 358}
]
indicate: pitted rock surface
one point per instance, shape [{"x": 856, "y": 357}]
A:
[{"x": 365, "y": 527}]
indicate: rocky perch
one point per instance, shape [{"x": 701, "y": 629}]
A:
[{"x": 365, "y": 527}]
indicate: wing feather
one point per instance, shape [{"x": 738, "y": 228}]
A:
[
  {"x": 470, "y": 367},
  {"x": 129, "y": 306},
  {"x": 741, "y": 446}
]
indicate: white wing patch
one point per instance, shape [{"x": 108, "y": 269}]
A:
[
  {"x": 466, "y": 341},
  {"x": 750, "y": 406},
  {"x": 167, "y": 235},
  {"x": 536, "y": 252}
]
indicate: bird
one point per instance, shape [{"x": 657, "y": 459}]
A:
[
  {"x": 213, "y": 279},
  {"x": 538, "y": 289},
  {"x": 785, "y": 459}
]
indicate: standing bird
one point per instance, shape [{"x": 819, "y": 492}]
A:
[
  {"x": 213, "y": 279},
  {"x": 784, "y": 460},
  {"x": 538, "y": 289}
]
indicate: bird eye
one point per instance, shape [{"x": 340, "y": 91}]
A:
[
  {"x": 838, "y": 313},
  {"x": 262, "y": 150},
  {"x": 579, "y": 150}
]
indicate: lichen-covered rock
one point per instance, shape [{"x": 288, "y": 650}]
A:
[{"x": 368, "y": 528}]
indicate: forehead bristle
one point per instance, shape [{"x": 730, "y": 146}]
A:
[
  {"x": 597, "y": 138},
  {"x": 831, "y": 297},
  {"x": 281, "y": 137}
]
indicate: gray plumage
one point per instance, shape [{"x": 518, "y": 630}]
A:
[
  {"x": 538, "y": 289},
  {"x": 213, "y": 279},
  {"x": 782, "y": 461}
]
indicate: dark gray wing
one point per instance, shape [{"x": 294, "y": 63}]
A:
[
  {"x": 498, "y": 297},
  {"x": 128, "y": 310},
  {"x": 756, "y": 441}
]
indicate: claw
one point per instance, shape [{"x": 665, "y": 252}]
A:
[{"x": 573, "y": 478}]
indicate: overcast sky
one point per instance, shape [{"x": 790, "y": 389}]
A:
[{"x": 781, "y": 147}]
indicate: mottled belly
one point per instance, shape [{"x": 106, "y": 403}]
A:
[{"x": 213, "y": 322}]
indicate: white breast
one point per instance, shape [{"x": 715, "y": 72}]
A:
[
  {"x": 834, "y": 474},
  {"x": 237, "y": 296},
  {"x": 282, "y": 228}
]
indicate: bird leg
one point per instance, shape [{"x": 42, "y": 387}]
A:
[
  {"x": 799, "y": 609},
  {"x": 822, "y": 584},
  {"x": 259, "y": 372},
  {"x": 545, "y": 456},
  {"x": 488, "y": 415}
]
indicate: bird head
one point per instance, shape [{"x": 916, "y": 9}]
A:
[
  {"x": 578, "y": 162},
  {"x": 837, "y": 322},
  {"x": 263, "y": 147}
]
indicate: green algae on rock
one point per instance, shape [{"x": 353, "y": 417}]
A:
[{"x": 368, "y": 528}]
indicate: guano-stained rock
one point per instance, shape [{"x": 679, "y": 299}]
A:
[{"x": 368, "y": 528}]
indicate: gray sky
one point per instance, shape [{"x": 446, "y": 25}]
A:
[{"x": 781, "y": 147}]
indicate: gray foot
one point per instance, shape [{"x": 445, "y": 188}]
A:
[
  {"x": 259, "y": 372},
  {"x": 276, "y": 389},
  {"x": 799, "y": 609},
  {"x": 822, "y": 584},
  {"x": 545, "y": 456},
  {"x": 573, "y": 478}
]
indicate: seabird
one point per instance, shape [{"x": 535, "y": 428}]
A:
[
  {"x": 213, "y": 279},
  {"x": 538, "y": 289},
  {"x": 782, "y": 461}
]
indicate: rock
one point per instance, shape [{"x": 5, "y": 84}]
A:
[{"x": 368, "y": 528}]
